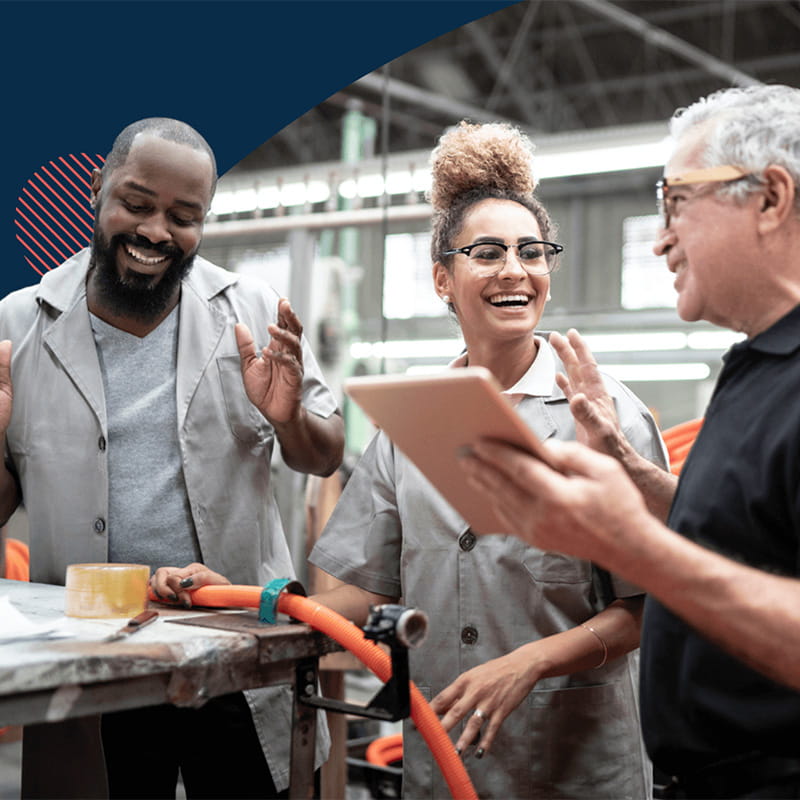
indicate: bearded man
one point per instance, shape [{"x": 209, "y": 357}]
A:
[{"x": 141, "y": 430}]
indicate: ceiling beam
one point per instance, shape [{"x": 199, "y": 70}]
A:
[
  {"x": 530, "y": 114},
  {"x": 587, "y": 64},
  {"x": 404, "y": 120},
  {"x": 407, "y": 92},
  {"x": 687, "y": 75},
  {"x": 505, "y": 73},
  {"x": 790, "y": 13},
  {"x": 667, "y": 41},
  {"x": 487, "y": 47},
  {"x": 659, "y": 17}
]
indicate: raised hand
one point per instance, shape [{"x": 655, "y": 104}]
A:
[
  {"x": 597, "y": 424},
  {"x": 273, "y": 379},
  {"x": 596, "y": 421}
]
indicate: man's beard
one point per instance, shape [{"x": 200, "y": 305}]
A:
[{"x": 132, "y": 294}]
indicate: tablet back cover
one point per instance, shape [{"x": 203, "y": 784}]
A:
[{"x": 432, "y": 418}]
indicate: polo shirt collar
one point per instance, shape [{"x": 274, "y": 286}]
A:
[
  {"x": 539, "y": 378},
  {"x": 781, "y": 339}
]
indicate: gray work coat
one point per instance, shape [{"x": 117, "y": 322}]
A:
[
  {"x": 574, "y": 736},
  {"x": 57, "y": 440}
]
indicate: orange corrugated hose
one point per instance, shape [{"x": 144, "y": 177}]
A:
[
  {"x": 350, "y": 636},
  {"x": 385, "y": 749},
  {"x": 679, "y": 440},
  {"x": 17, "y": 560}
]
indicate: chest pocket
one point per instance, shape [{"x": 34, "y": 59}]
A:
[
  {"x": 547, "y": 567},
  {"x": 245, "y": 421}
]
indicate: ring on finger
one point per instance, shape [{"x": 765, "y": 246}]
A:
[{"x": 479, "y": 714}]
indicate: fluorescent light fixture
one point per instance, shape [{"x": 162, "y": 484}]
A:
[
  {"x": 658, "y": 372},
  {"x": 641, "y": 342},
  {"x": 595, "y": 160},
  {"x": 635, "y": 342},
  {"x": 448, "y": 348},
  {"x": 244, "y": 200},
  {"x": 223, "y": 203},
  {"x": 714, "y": 340},
  {"x": 269, "y": 197},
  {"x": 409, "y": 348},
  {"x": 577, "y": 160},
  {"x": 293, "y": 194},
  {"x": 582, "y": 153},
  {"x": 372, "y": 184}
]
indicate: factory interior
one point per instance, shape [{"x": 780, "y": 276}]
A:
[{"x": 332, "y": 211}]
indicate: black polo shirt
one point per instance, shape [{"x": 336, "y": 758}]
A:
[{"x": 738, "y": 494}]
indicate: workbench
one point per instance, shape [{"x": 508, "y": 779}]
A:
[{"x": 184, "y": 658}]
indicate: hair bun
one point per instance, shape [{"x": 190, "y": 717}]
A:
[{"x": 494, "y": 155}]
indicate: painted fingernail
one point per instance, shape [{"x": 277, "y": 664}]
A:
[
  {"x": 186, "y": 583},
  {"x": 172, "y": 597},
  {"x": 479, "y": 753},
  {"x": 458, "y": 751}
]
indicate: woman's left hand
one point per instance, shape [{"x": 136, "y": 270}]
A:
[
  {"x": 486, "y": 694},
  {"x": 176, "y": 584}
]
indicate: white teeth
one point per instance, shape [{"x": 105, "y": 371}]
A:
[
  {"x": 142, "y": 259},
  {"x": 509, "y": 298}
]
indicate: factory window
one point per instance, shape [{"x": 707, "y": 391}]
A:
[
  {"x": 646, "y": 281},
  {"x": 407, "y": 283},
  {"x": 270, "y": 263}
]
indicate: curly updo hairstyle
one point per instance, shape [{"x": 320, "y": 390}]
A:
[{"x": 472, "y": 163}]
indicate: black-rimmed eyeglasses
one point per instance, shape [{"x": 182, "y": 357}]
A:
[{"x": 488, "y": 258}]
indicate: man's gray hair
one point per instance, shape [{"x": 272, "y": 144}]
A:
[{"x": 758, "y": 126}]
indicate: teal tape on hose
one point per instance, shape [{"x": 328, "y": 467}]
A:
[{"x": 268, "y": 607}]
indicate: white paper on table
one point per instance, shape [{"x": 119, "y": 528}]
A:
[{"x": 15, "y": 625}]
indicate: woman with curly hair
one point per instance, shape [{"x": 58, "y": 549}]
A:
[
  {"x": 528, "y": 663},
  {"x": 535, "y": 669}
]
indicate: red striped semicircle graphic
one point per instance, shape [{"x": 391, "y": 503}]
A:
[{"x": 54, "y": 219}]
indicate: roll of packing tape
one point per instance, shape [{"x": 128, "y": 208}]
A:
[{"x": 106, "y": 590}]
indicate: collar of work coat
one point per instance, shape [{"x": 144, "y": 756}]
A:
[{"x": 63, "y": 290}]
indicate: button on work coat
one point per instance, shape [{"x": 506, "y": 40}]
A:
[
  {"x": 573, "y": 736},
  {"x": 57, "y": 439}
]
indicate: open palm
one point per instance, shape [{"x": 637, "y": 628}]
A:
[{"x": 273, "y": 379}]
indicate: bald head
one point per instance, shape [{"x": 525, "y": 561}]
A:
[{"x": 171, "y": 130}]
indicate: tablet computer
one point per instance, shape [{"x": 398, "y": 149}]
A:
[{"x": 432, "y": 418}]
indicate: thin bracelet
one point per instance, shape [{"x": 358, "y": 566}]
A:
[{"x": 602, "y": 644}]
